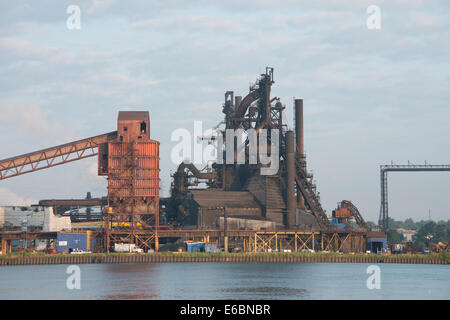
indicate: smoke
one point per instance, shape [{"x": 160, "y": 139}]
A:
[
  {"x": 29, "y": 116},
  {"x": 89, "y": 170},
  {"x": 9, "y": 198},
  {"x": 32, "y": 120}
]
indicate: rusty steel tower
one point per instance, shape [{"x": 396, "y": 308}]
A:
[{"x": 131, "y": 162}]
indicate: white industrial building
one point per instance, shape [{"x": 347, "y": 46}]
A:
[
  {"x": 34, "y": 218},
  {"x": 407, "y": 234}
]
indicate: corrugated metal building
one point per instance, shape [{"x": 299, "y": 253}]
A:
[
  {"x": 376, "y": 240},
  {"x": 67, "y": 242},
  {"x": 34, "y": 218},
  {"x": 268, "y": 193},
  {"x": 306, "y": 221},
  {"x": 248, "y": 223},
  {"x": 205, "y": 206}
]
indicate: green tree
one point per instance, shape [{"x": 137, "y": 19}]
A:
[
  {"x": 448, "y": 230},
  {"x": 410, "y": 224},
  {"x": 440, "y": 232},
  {"x": 421, "y": 223},
  {"x": 394, "y": 224},
  {"x": 426, "y": 234},
  {"x": 393, "y": 236},
  {"x": 427, "y": 231}
]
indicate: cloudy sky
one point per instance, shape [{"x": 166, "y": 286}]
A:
[{"x": 370, "y": 96}]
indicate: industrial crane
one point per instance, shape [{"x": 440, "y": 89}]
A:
[{"x": 347, "y": 210}]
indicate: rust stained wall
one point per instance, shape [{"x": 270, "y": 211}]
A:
[
  {"x": 342, "y": 213},
  {"x": 133, "y": 126},
  {"x": 103, "y": 159},
  {"x": 132, "y": 162}
]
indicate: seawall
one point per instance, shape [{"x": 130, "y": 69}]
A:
[{"x": 243, "y": 258}]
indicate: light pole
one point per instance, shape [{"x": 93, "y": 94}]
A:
[
  {"x": 428, "y": 237},
  {"x": 225, "y": 237}
]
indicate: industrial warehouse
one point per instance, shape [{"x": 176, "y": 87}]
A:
[{"x": 231, "y": 207}]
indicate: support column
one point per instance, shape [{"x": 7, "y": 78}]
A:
[
  {"x": 313, "y": 242},
  {"x": 4, "y": 246},
  {"x": 300, "y": 150},
  {"x": 225, "y": 239},
  {"x": 290, "y": 194},
  {"x": 156, "y": 242}
]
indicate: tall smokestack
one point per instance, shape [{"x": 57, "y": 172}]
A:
[
  {"x": 290, "y": 194},
  {"x": 237, "y": 101},
  {"x": 300, "y": 150},
  {"x": 299, "y": 126}
]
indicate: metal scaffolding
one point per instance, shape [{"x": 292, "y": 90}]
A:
[
  {"x": 296, "y": 241},
  {"x": 384, "y": 169}
]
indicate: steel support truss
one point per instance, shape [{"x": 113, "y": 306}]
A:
[
  {"x": 54, "y": 156},
  {"x": 141, "y": 230},
  {"x": 143, "y": 239},
  {"x": 384, "y": 169},
  {"x": 299, "y": 241}
]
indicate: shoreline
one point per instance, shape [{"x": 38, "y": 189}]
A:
[{"x": 113, "y": 258}]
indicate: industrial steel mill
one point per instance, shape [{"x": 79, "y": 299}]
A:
[{"x": 239, "y": 207}]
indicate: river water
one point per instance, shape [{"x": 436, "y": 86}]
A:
[{"x": 188, "y": 281}]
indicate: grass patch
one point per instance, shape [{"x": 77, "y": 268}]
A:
[{"x": 445, "y": 256}]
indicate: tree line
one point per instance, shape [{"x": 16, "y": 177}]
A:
[{"x": 427, "y": 231}]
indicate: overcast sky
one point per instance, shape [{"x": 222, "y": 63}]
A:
[{"x": 370, "y": 96}]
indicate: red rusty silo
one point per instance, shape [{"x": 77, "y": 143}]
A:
[{"x": 131, "y": 163}]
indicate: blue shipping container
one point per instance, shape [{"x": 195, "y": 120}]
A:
[
  {"x": 195, "y": 247},
  {"x": 335, "y": 222},
  {"x": 71, "y": 241}
]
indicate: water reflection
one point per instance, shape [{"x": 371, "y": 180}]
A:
[
  {"x": 124, "y": 296},
  {"x": 190, "y": 281},
  {"x": 268, "y": 292},
  {"x": 131, "y": 268},
  {"x": 130, "y": 281}
]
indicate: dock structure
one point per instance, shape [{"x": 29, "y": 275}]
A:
[{"x": 246, "y": 240}]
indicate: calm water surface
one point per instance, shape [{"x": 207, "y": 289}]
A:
[{"x": 226, "y": 281}]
